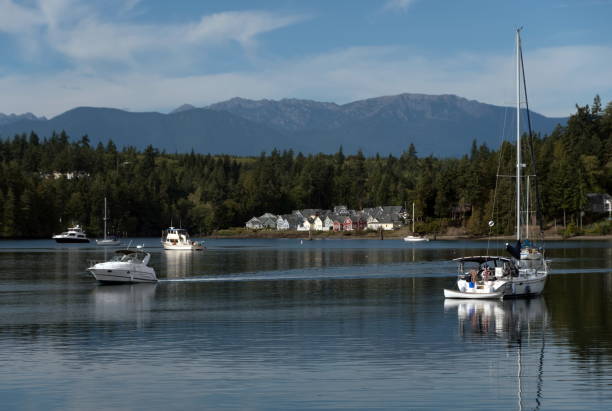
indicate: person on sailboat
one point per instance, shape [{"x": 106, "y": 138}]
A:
[{"x": 486, "y": 273}]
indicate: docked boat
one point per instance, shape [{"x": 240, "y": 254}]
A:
[
  {"x": 414, "y": 238},
  {"x": 107, "y": 240},
  {"x": 525, "y": 272},
  {"x": 72, "y": 235},
  {"x": 178, "y": 239},
  {"x": 127, "y": 266}
]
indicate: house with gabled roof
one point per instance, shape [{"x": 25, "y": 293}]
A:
[
  {"x": 268, "y": 222},
  {"x": 318, "y": 223},
  {"x": 305, "y": 224},
  {"x": 254, "y": 224},
  {"x": 328, "y": 223}
]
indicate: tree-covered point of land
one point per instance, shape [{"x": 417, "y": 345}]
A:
[{"x": 49, "y": 183}]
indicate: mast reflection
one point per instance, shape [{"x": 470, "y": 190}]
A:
[{"x": 523, "y": 324}]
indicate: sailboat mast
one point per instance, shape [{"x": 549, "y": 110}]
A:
[
  {"x": 518, "y": 136},
  {"x": 413, "y": 217},
  {"x": 105, "y": 218}
]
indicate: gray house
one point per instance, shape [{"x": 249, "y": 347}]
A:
[
  {"x": 254, "y": 224},
  {"x": 599, "y": 203}
]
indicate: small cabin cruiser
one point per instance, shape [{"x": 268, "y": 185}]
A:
[
  {"x": 73, "y": 235},
  {"x": 127, "y": 266},
  {"x": 178, "y": 239}
]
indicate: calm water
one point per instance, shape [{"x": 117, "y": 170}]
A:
[{"x": 275, "y": 324}]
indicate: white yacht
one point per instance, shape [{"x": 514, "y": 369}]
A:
[
  {"x": 526, "y": 271},
  {"x": 73, "y": 235},
  {"x": 414, "y": 238},
  {"x": 107, "y": 240},
  {"x": 128, "y": 266},
  {"x": 178, "y": 239}
]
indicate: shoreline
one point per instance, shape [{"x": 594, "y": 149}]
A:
[{"x": 394, "y": 235}]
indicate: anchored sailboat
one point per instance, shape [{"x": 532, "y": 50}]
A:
[
  {"x": 107, "y": 240},
  {"x": 526, "y": 271},
  {"x": 414, "y": 238}
]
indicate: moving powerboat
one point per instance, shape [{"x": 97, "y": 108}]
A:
[
  {"x": 73, "y": 235},
  {"x": 178, "y": 239},
  {"x": 107, "y": 240},
  {"x": 127, "y": 266}
]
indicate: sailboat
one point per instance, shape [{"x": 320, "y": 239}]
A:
[
  {"x": 107, "y": 240},
  {"x": 414, "y": 238},
  {"x": 525, "y": 271}
]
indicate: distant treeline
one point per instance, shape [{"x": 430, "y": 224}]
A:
[{"x": 47, "y": 184}]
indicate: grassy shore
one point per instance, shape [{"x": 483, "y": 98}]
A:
[{"x": 455, "y": 234}]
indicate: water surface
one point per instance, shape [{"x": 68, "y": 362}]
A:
[{"x": 279, "y": 324}]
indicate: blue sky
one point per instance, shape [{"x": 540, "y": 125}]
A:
[{"x": 156, "y": 55}]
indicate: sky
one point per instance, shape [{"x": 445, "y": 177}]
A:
[{"x": 155, "y": 55}]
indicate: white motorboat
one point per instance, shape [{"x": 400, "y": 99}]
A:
[
  {"x": 127, "y": 266},
  {"x": 526, "y": 271},
  {"x": 178, "y": 239},
  {"x": 107, "y": 240},
  {"x": 414, "y": 238},
  {"x": 72, "y": 235}
]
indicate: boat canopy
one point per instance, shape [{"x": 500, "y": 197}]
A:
[{"x": 480, "y": 259}]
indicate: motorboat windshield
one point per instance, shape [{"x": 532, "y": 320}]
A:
[{"x": 130, "y": 256}]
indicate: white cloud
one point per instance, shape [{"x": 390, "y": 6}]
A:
[
  {"x": 147, "y": 60},
  {"x": 402, "y": 5},
  {"x": 18, "y": 19},
  {"x": 77, "y": 30}
]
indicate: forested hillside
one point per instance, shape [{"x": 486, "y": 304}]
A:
[{"x": 46, "y": 184}]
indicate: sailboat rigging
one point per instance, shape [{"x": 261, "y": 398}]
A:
[
  {"x": 107, "y": 240},
  {"x": 526, "y": 271}
]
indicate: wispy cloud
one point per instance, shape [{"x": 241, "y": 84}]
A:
[
  {"x": 401, "y": 5},
  {"x": 109, "y": 60},
  {"x": 78, "y": 31}
]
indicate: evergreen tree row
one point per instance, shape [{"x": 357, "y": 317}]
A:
[{"x": 48, "y": 184}]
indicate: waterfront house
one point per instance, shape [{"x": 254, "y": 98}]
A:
[
  {"x": 268, "y": 221},
  {"x": 599, "y": 203},
  {"x": 328, "y": 223},
  {"x": 254, "y": 224},
  {"x": 282, "y": 223},
  {"x": 305, "y": 224}
]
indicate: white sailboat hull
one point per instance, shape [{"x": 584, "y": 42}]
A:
[
  {"x": 108, "y": 242},
  {"x": 415, "y": 239},
  {"x": 473, "y": 295}
]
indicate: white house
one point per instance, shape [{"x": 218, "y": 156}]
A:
[
  {"x": 282, "y": 223},
  {"x": 305, "y": 225},
  {"x": 382, "y": 222},
  {"x": 254, "y": 224},
  {"x": 318, "y": 224},
  {"x": 328, "y": 224}
]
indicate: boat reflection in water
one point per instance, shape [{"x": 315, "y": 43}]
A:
[
  {"x": 123, "y": 303},
  {"x": 178, "y": 265},
  {"x": 520, "y": 322}
]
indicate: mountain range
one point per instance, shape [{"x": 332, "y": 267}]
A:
[{"x": 443, "y": 125}]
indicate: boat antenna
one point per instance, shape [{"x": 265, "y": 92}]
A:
[{"x": 532, "y": 150}]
